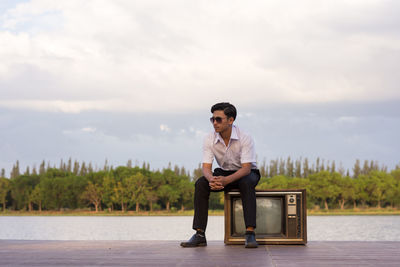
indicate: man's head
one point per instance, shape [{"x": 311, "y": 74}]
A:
[
  {"x": 223, "y": 117},
  {"x": 228, "y": 109}
]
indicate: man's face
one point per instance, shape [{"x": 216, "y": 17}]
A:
[{"x": 221, "y": 122}]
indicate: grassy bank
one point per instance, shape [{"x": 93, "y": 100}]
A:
[
  {"x": 99, "y": 213},
  {"x": 332, "y": 212},
  {"x": 363, "y": 211}
]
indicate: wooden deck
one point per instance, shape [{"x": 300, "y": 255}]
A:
[{"x": 169, "y": 253}]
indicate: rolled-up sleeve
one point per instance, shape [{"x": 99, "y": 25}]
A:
[
  {"x": 208, "y": 155},
  {"x": 248, "y": 152}
]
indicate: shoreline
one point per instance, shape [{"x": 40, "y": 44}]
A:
[{"x": 333, "y": 212}]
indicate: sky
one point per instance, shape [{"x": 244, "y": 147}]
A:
[{"x": 119, "y": 80}]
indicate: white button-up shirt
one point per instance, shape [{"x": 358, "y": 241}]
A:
[{"x": 240, "y": 150}]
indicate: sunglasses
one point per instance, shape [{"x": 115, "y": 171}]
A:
[{"x": 217, "y": 119}]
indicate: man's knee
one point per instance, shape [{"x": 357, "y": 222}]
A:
[
  {"x": 248, "y": 182},
  {"x": 201, "y": 183}
]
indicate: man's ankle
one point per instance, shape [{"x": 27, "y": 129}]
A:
[{"x": 200, "y": 232}]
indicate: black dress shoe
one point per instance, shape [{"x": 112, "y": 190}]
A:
[
  {"x": 250, "y": 240},
  {"x": 197, "y": 240}
]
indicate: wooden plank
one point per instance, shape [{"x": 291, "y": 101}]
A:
[
  {"x": 337, "y": 253},
  {"x": 127, "y": 253},
  {"x": 169, "y": 253}
]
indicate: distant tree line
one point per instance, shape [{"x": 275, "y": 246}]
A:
[
  {"x": 303, "y": 167},
  {"x": 75, "y": 185},
  {"x": 331, "y": 186}
]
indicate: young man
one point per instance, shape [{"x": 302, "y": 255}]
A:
[{"x": 235, "y": 154}]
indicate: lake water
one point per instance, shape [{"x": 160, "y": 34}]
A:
[{"x": 319, "y": 228}]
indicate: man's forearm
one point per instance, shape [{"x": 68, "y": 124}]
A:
[
  {"x": 207, "y": 173},
  {"x": 238, "y": 174}
]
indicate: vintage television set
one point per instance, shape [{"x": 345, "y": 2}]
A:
[{"x": 281, "y": 217}]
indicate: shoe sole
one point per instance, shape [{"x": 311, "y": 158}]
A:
[
  {"x": 193, "y": 246},
  {"x": 251, "y": 246}
]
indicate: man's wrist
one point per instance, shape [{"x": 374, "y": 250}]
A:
[
  {"x": 208, "y": 177},
  {"x": 227, "y": 180}
]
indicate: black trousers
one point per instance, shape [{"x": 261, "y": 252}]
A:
[{"x": 246, "y": 186}]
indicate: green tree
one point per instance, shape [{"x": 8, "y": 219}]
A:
[
  {"x": 273, "y": 168},
  {"x": 322, "y": 167},
  {"x": 34, "y": 172},
  {"x": 55, "y": 183},
  {"x": 356, "y": 169},
  {"x": 5, "y": 187},
  {"x": 298, "y": 168},
  {"x": 155, "y": 181},
  {"x": 15, "y": 171},
  {"x": 169, "y": 191},
  {"x": 323, "y": 188},
  {"x": 69, "y": 165},
  {"x": 186, "y": 189},
  {"x": 263, "y": 169},
  {"x": 27, "y": 171},
  {"x": 42, "y": 168},
  {"x": 129, "y": 164},
  {"x": 90, "y": 168},
  {"x": 168, "y": 194},
  {"x": 289, "y": 168},
  {"x": 317, "y": 166},
  {"x": 395, "y": 198},
  {"x": 298, "y": 183},
  {"x": 365, "y": 169},
  {"x": 76, "y": 168},
  {"x": 109, "y": 184},
  {"x": 21, "y": 189},
  {"x": 37, "y": 196},
  {"x": 93, "y": 194},
  {"x": 333, "y": 167},
  {"x": 198, "y": 172},
  {"x": 276, "y": 182},
  {"x": 281, "y": 167},
  {"x": 306, "y": 168},
  {"x": 83, "y": 170},
  {"x": 122, "y": 181},
  {"x": 62, "y": 165},
  {"x": 347, "y": 190},
  {"x": 59, "y": 192},
  {"x": 74, "y": 186},
  {"x": 121, "y": 194},
  {"x": 361, "y": 194},
  {"x": 379, "y": 186},
  {"x": 138, "y": 188}
]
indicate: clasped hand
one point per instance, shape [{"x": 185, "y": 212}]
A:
[{"x": 217, "y": 182}]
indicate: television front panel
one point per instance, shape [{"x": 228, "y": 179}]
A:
[{"x": 281, "y": 217}]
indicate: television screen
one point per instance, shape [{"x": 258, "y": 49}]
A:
[{"x": 268, "y": 224}]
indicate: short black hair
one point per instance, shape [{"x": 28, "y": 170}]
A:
[{"x": 228, "y": 108}]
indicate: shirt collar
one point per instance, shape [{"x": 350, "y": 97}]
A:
[{"x": 234, "y": 135}]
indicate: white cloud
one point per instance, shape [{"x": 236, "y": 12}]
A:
[
  {"x": 165, "y": 128},
  {"x": 88, "y": 129},
  {"x": 246, "y": 115},
  {"x": 157, "y": 56},
  {"x": 52, "y": 106},
  {"x": 198, "y": 133},
  {"x": 74, "y": 106}
]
